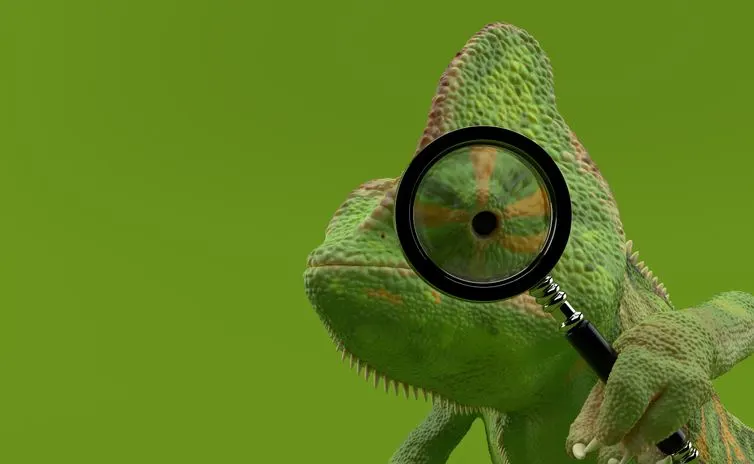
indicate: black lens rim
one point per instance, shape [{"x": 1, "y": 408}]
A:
[{"x": 554, "y": 184}]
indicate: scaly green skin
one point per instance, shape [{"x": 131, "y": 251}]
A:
[{"x": 506, "y": 362}]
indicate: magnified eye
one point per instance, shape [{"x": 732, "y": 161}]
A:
[{"x": 481, "y": 213}]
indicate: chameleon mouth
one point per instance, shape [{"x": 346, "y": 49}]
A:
[
  {"x": 397, "y": 265},
  {"x": 398, "y": 386},
  {"x": 364, "y": 265},
  {"x": 523, "y": 303}
]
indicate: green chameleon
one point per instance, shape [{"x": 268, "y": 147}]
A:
[{"x": 506, "y": 362}]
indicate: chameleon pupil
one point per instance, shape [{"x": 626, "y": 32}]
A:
[{"x": 484, "y": 223}]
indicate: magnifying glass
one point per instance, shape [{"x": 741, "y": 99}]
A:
[{"x": 454, "y": 239}]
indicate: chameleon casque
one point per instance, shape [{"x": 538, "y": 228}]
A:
[{"x": 506, "y": 363}]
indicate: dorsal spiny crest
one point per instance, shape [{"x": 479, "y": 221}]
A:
[{"x": 633, "y": 260}]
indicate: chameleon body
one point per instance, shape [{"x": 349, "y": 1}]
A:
[{"x": 506, "y": 363}]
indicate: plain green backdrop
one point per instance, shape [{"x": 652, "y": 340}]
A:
[{"x": 166, "y": 166}]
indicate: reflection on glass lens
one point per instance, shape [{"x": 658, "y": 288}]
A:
[{"x": 482, "y": 214}]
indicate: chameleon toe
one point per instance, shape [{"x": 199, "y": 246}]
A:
[{"x": 593, "y": 445}]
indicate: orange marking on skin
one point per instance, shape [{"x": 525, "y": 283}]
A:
[
  {"x": 385, "y": 295},
  {"x": 433, "y": 215},
  {"x": 406, "y": 272},
  {"x": 483, "y": 160},
  {"x": 346, "y": 264},
  {"x": 578, "y": 367},
  {"x": 378, "y": 184},
  {"x": 436, "y": 296},
  {"x": 527, "y": 303},
  {"x": 728, "y": 439},
  {"x": 701, "y": 440},
  {"x": 527, "y": 244},
  {"x": 535, "y": 204},
  {"x": 480, "y": 248},
  {"x": 586, "y": 164}
]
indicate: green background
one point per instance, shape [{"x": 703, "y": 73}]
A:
[{"x": 166, "y": 166}]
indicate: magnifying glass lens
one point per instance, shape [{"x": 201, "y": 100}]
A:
[{"x": 482, "y": 214}]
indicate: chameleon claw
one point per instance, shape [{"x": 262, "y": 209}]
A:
[
  {"x": 626, "y": 457},
  {"x": 579, "y": 451},
  {"x": 593, "y": 445}
]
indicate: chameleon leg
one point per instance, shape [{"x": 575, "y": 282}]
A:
[
  {"x": 495, "y": 425},
  {"x": 435, "y": 438}
]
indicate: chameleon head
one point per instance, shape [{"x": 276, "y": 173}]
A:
[{"x": 398, "y": 329}]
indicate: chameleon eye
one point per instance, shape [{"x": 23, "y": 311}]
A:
[
  {"x": 481, "y": 214},
  {"x": 484, "y": 223}
]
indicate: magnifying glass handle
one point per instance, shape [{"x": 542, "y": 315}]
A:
[{"x": 601, "y": 357}]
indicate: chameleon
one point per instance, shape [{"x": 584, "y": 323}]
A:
[{"x": 506, "y": 363}]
